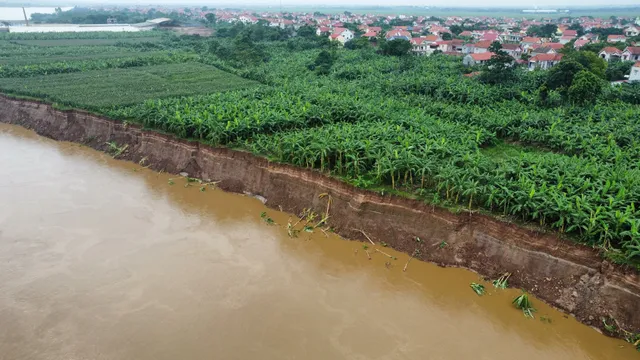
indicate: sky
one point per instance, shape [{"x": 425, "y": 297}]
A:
[
  {"x": 448, "y": 3},
  {"x": 345, "y": 3}
]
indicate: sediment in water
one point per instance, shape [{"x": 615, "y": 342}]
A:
[{"x": 568, "y": 276}]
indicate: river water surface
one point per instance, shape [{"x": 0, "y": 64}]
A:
[{"x": 102, "y": 259}]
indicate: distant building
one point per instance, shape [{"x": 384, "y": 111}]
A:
[
  {"x": 635, "y": 72},
  {"x": 544, "y": 61},
  {"x": 482, "y": 46},
  {"x": 632, "y": 31},
  {"x": 512, "y": 49},
  {"x": 610, "y": 52},
  {"x": 398, "y": 34},
  {"x": 631, "y": 53},
  {"x": 476, "y": 59},
  {"x": 616, "y": 38}
]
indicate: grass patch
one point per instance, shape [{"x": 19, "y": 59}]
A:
[
  {"x": 112, "y": 87},
  {"x": 508, "y": 150}
]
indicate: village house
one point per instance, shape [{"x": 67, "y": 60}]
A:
[
  {"x": 455, "y": 46},
  {"x": 632, "y": 31},
  {"x": 512, "y": 49},
  {"x": 398, "y": 34},
  {"x": 481, "y": 46},
  {"x": 565, "y": 39},
  {"x": 370, "y": 34},
  {"x": 421, "y": 46},
  {"x": 467, "y": 48},
  {"x": 589, "y": 37},
  {"x": 323, "y": 30},
  {"x": 476, "y": 59},
  {"x": 342, "y": 35},
  {"x": 528, "y": 41},
  {"x": 631, "y": 53},
  {"x": 544, "y": 61},
  {"x": 635, "y": 72},
  {"x": 512, "y": 37},
  {"x": 248, "y": 19},
  {"x": 580, "y": 43},
  {"x": 610, "y": 52},
  {"x": 616, "y": 38}
]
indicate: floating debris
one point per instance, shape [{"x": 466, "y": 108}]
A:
[{"x": 478, "y": 288}]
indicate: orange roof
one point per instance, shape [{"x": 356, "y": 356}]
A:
[
  {"x": 482, "y": 56},
  {"x": 483, "y": 44}
]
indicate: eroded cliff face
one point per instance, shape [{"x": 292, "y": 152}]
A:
[{"x": 568, "y": 276}]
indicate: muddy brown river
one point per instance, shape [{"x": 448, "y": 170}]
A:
[{"x": 103, "y": 259}]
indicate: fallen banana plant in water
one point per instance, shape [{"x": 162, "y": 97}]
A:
[
  {"x": 522, "y": 302},
  {"x": 501, "y": 282},
  {"x": 478, "y": 288}
]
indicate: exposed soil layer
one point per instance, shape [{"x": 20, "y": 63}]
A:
[{"x": 568, "y": 276}]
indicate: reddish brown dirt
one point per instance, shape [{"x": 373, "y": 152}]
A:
[{"x": 570, "y": 277}]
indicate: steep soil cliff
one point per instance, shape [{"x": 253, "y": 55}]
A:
[{"x": 568, "y": 276}]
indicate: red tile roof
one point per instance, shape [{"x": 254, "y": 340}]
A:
[
  {"x": 611, "y": 50},
  {"x": 546, "y": 57},
  {"x": 432, "y": 38},
  {"x": 580, "y": 43},
  {"x": 570, "y": 33},
  {"x": 483, "y": 44},
  {"x": 531, "y": 40},
  {"x": 398, "y": 33},
  {"x": 616, "y": 37},
  {"x": 634, "y": 50},
  {"x": 554, "y": 46}
]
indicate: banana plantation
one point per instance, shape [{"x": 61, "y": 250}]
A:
[{"x": 411, "y": 126}]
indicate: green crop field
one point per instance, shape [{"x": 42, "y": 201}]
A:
[
  {"x": 85, "y": 42},
  {"x": 536, "y": 147},
  {"x": 40, "y": 58},
  {"x": 103, "y": 88}
]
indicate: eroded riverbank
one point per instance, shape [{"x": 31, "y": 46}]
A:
[
  {"x": 104, "y": 259},
  {"x": 568, "y": 276}
]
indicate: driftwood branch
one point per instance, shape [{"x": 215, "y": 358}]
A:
[
  {"x": 407, "y": 264},
  {"x": 365, "y": 235},
  {"x": 384, "y": 253}
]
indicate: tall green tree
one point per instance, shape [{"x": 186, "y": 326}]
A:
[
  {"x": 561, "y": 76},
  {"x": 397, "y": 47},
  {"x": 586, "y": 88},
  {"x": 499, "y": 68}
]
